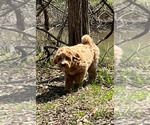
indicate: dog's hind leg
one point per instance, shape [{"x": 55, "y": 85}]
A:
[{"x": 92, "y": 72}]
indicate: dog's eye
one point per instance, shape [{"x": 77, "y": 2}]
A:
[
  {"x": 59, "y": 59},
  {"x": 67, "y": 58}
]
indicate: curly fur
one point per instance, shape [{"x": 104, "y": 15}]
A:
[{"x": 76, "y": 61}]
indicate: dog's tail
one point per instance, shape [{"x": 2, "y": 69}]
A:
[{"x": 87, "y": 40}]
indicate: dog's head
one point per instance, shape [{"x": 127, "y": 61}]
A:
[
  {"x": 63, "y": 58},
  {"x": 66, "y": 59}
]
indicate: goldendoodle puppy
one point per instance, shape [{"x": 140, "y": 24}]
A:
[{"x": 76, "y": 61}]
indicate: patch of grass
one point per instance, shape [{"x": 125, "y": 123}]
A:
[
  {"x": 132, "y": 94},
  {"x": 48, "y": 107},
  {"x": 141, "y": 95},
  {"x": 106, "y": 72},
  {"x": 102, "y": 113},
  {"x": 135, "y": 72},
  {"x": 25, "y": 106},
  {"x": 77, "y": 105},
  {"x": 109, "y": 95},
  {"x": 130, "y": 101},
  {"x": 72, "y": 100},
  {"x": 105, "y": 78},
  {"x": 81, "y": 114}
]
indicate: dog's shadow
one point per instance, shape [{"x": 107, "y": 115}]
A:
[{"x": 55, "y": 92}]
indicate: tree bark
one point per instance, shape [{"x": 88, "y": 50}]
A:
[
  {"x": 46, "y": 17},
  {"x": 19, "y": 16},
  {"x": 78, "y": 23},
  {"x": 85, "y": 20},
  {"x": 74, "y": 21}
]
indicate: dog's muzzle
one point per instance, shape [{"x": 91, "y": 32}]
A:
[{"x": 63, "y": 65}]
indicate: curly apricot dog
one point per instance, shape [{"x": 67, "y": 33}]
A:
[{"x": 76, "y": 61}]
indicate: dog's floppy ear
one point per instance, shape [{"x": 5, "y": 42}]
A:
[
  {"x": 58, "y": 52},
  {"x": 55, "y": 61},
  {"x": 76, "y": 57}
]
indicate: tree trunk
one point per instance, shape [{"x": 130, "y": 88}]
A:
[
  {"x": 74, "y": 21},
  {"x": 78, "y": 23},
  {"x": 46, "y": 17},
  {"x": 19, "y": 16},
  {"x": 85, "y": 20}
]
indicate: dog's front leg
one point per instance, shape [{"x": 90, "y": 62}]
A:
[
  {"x": 68, "y": 82},
  {"x": 79, "y": 78}
]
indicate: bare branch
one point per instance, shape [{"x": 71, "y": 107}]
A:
[
  {"x": 107, "y": 36},
  {"x": 43, "y": 8},
  {"x": 57, "y": 8},
  {"x": 147, "y": 26},
  {"x": 51, "y": 35},
  {"x": 138, "y": 5},
  {"x": 14, "y": 8},
  {"x": 105, "y": 54},
  {"x": 18, "y": 31},
  {"x": 112, "y": 27},
  {"x": 98, "y": 9}
]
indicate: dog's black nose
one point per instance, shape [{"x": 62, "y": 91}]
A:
[{"x": 63, "y": 65}]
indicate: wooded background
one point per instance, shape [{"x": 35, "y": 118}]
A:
[{"x": 32, "y": 31}]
